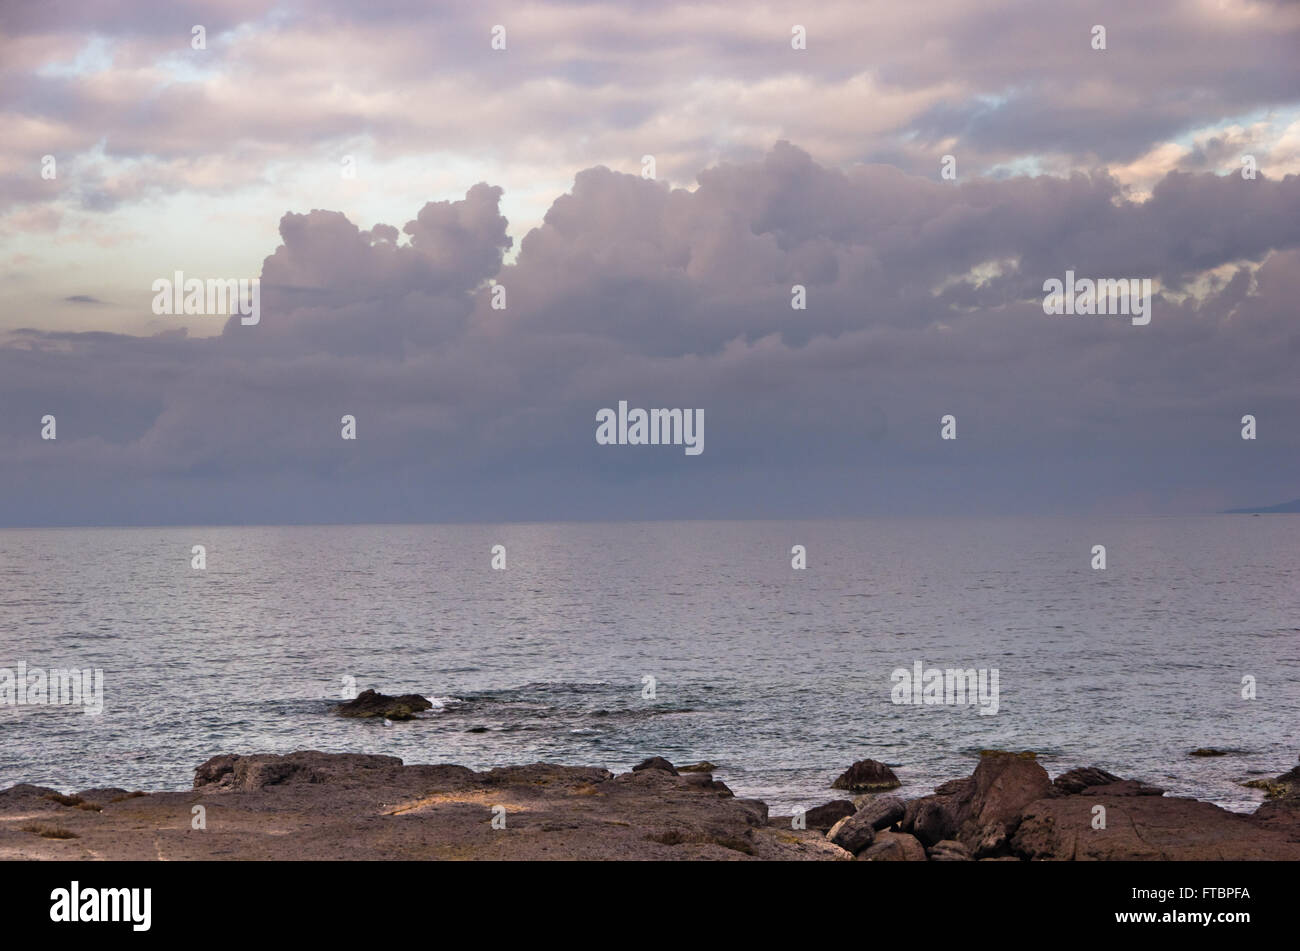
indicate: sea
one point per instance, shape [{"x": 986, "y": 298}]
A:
[{"x": 600, "y": 644}]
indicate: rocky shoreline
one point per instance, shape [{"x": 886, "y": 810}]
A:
[{"x": 337, "y": 806}]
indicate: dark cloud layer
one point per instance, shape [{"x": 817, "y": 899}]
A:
[{"x": 923, "y": 299}]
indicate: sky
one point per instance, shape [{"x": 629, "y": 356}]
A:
[{"x": 475, "y": 225}]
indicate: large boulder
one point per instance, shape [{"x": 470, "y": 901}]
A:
[
  {"x": 369, "y": 704},
  {"x": 935, "y": 817},
  {"x": 823, "y": 817},
  {"x": 866, "y": 775},
  {"x": 852, "y": 833},
  {"x": 931, "y": 819},
  {"x": 883, "y": 812},
  {"x": 894, "y": 847},
  {"x": 1003, "y": 785}
]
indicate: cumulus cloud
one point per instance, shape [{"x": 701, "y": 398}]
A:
[{"x": 924, "y": 298}]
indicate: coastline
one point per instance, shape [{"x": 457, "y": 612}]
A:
[{"x": 343, "y": 806}]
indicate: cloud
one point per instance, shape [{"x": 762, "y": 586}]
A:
[{"x": 924, "y": 298}]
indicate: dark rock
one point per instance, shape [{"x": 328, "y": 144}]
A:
[
  {"x": 1208, "y": 751},
  {"x": 894, "y": 847},
  {"x": 931, "y": 818},
  {"x": 1095, "y": 781},
  {"x": 368, "y": 704},
  {"x": 703, "y": 766},
  {"x": 867, "y": 774},
  {"x": 883, "y": 812},
  {"x": 949, "y": 850},
  {"x": 823, "y": 817},
  {"x": 852, "y": 834},
  {"x": 1077, "y": 780},
  {"x": 1125, "y": 787},
  {"x": 655, "y": 762}
]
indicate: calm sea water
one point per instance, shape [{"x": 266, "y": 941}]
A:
[{"x": 780, "y": 677}]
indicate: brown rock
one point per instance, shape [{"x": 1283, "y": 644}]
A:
[
  {"x": 883, "y": 812},
  {"x": 248, "y": 773},
  {"x": 1004, "y": 784},
  {"x": 894, "y": 847},
  {"x": 949, "y": 850},
  {"x": 823, "y": 817},
  {"x": 853, "y": 834},
  {"x": 866, "y": 774},
  {"x": 936, "y": 817},
  {"x": 1143, "y": 828},
  {"x": 931, "y": 818}
]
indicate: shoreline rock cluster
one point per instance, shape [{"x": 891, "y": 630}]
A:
[
  {"x": 1010, "y": 810},
  {"x": 337, "y": 806}
]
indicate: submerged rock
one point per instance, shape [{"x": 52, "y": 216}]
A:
[{"x": 371, "y": 704}]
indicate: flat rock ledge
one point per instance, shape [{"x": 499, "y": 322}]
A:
[{"x": 311, "y": 805}]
